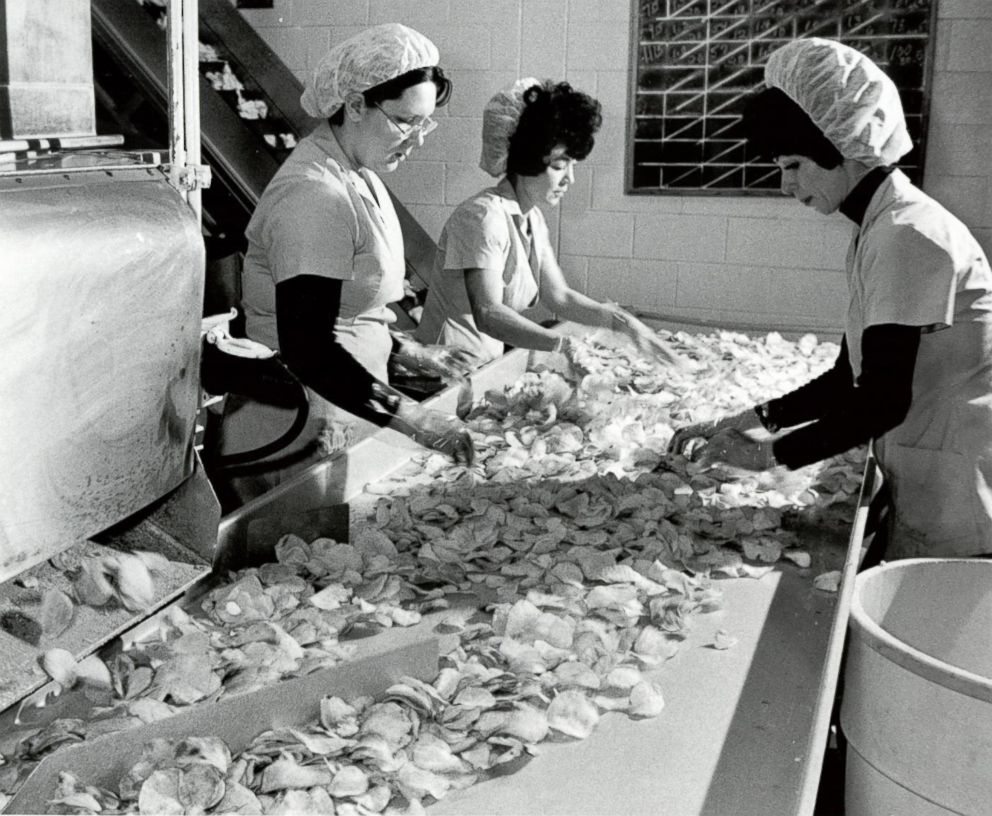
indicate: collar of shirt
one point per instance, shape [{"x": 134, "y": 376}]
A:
[
  {"x": 523, "y": 222},
  {"x": 857, "y": 201},
  {"x": 324, "y": 138},
  {"x": 509, "y": 196}
]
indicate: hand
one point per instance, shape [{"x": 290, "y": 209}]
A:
[
  {"x": 446, "y": 362},
  {"x": 449, "y": 363},
  {"x": 682, "y": 438},
  {"x": 648, "y": 342},
  {"x": 442, "y": 433},
  {"x": 651, "y": 345},
  {"x": 735, "y": 448}
]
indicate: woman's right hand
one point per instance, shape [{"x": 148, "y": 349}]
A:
[{"x": 680, "y": 444}]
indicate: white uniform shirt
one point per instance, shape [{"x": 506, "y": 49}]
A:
[
  {"x": 913, "y": 263},
  {"x": 485, "y": 232},
  {"x": 319, "y": 217}
]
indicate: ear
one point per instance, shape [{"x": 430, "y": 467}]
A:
[{"x": 354, "y": 106}]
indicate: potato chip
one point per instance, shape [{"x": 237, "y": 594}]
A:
[
  {"x": 287, "y": 773},
  {"x": 415, "y": 782},
  {"x": 646, "y": 700},
  {"x": 828, "y": 581},
  {"x": 722, "y": 639},
  {"x": 56, "y": 613},
  {"x": 526, "y": 723},
  {"x": 239, "y": 800},
  {"x": 350, "y": 780},
  {"x": 159, "y": 793},
  {"x": 60, "y": 665},
  {"x": 201, "y": 786},
  {"x": 572, "y": 713},
  {"x": 433, "y": 754},
  {"x": 134, "y": 584}
]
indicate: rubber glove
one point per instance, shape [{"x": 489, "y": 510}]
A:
[
  {"x": 733, "y": 447},
  {"x": 437, "y": 431},
  {"x": 680, "y": 444},
  {"x": 446, "y": 362}
]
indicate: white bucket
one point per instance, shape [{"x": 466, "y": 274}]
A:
[{"x": 917, "y": 704}]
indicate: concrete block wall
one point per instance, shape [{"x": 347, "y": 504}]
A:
[{"x": 761, "y": 262}]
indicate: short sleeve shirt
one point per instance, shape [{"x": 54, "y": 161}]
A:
[
  {"x": 320, "y": 217},
  {"x": 487, "y": 231},
  {"x": 913, "y": 263}
]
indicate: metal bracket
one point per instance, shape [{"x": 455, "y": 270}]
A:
[{"x": 190, "y": 177}]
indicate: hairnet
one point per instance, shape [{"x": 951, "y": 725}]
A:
[
  {"x": 371, "y": 57},
  {"x": 499, "y": 119},
  {"x": 846, "y": 95}
]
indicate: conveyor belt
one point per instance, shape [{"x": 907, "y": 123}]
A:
[
  {"x": 744, "y": 729},
  {"x": 130, "y": 73}
]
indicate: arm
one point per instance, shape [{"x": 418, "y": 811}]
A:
[
  {"x": 492, "y": 316},
  {"x": 877, "y": 404},
  {"x": 806, "y": 403},
  {"x": 812, "y": 400},
  {"x": 562, "y": 299},
  {"x": 566, "y": 302},
  {"x": 307, "y": 307}
]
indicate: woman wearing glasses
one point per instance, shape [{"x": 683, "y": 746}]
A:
[
  {"x": 495, "y": 257},
  {"x": 325, "y": 252}
]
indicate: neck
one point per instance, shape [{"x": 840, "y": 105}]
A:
[
  {"x": 348, "y": 143},
  {"x": 524, "y": 200},
  {"x": 856, "y": 203}
]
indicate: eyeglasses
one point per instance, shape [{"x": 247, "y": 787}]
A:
[{"x": 423, "y": 127}]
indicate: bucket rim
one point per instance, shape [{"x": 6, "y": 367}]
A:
[{"x": 901, "y": 653}]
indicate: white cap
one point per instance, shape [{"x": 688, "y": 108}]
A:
[
  {"x": 373, "y": 56},
  {"x": 846, "y": 95},
  {"x": 499, "y": 121}
]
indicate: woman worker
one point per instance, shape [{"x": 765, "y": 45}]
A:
[
  {"x": 495, "y": 259},
  {"x": 325, "y": 252},
  {"x": 914, "y": 374}
]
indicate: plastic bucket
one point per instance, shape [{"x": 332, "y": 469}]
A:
[{"x": 917, "y": 700}]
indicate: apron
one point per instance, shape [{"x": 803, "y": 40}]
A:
[
  {"x": 362, "y": 329},
  {"x": 937, "y": 463}
]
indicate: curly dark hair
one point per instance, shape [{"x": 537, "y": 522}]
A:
[
  {"x": 776, "y": 126},
  {"x": 553, "y": 114},
  {"x": 394, "y": 88}
]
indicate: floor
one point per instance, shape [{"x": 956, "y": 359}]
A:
[{"x": 830, "y": 799}]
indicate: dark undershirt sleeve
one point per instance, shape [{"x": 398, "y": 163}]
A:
[
  {"x": 878, "y": 402},
  {"x": 307, "y": 307},
  {"x": 812, "y": 400}
]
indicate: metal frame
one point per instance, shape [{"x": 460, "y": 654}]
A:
[
  {"x": 631, "y": 125},
  {"x": 186, "y": 171}
]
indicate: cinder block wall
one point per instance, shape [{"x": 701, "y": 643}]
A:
[{"x": 755, "y": 261}]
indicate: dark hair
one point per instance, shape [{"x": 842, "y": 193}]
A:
[
  {"x": 553, "y": 114},
  {"x": 776, "y": 126},
  {"x": 393, "y": 89}
]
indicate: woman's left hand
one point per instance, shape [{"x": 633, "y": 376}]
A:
[{"x": 732, "y": 447}]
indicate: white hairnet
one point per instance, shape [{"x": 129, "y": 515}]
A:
[
  {"x": 499, "y": 121},
  {"x": 373, "y": 56},
  {"x": 846, "y": 95}
]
